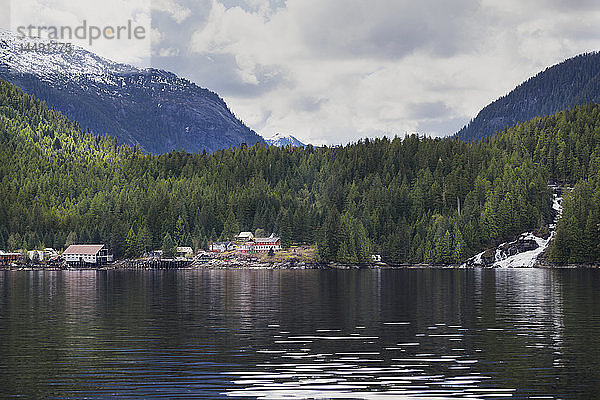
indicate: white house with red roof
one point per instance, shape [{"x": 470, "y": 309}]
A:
[{"x": 87, "y": 254}]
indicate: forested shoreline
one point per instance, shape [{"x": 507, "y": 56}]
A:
[{"x": 412, "y": 200}]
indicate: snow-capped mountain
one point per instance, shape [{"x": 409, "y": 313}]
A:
[
  {"x": 152, "y": 108},
  {"x": 280, "y": 140}
]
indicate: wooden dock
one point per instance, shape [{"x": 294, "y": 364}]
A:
[{"x": 154, "y": 264}]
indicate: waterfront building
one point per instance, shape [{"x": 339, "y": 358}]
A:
[{"x": 87, "y": 254}]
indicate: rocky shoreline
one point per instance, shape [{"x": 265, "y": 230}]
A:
[
  {"x": 247, "y": 265},
  {"x": 214, "y": 264}
]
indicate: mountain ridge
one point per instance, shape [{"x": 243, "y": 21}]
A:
[
  {"x": 151, "y": 108},
  {"x": 572, "y": 82}
]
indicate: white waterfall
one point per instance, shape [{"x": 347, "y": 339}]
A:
[{"x": 525, "y": 259}]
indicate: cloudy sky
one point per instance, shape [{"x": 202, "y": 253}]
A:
[{"x": 333, "y": 71}]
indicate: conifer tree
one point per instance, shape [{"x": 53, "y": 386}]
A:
[
  {"x": 168, "y": 246},
  {"x": 131, "y": 244}
]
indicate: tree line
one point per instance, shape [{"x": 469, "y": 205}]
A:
[{"x": 414, "y": 199}]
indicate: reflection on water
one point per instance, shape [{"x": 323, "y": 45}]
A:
[{"x": 300, "y": 334}]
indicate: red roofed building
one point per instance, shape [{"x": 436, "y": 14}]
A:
[
  {"x": 260, "y": 245},
  {"x": 87, "y": 254},
  {"x": 9, "y": 257}
]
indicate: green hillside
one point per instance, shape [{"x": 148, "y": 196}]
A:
[
  {"x": 411, "y": 200},
  {"x": 566, "y": 147}
]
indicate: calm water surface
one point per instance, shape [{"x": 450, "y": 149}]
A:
[{"x": 300, "y": 334}]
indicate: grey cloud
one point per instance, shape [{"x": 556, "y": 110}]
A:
[
  {"x": 5, "y": 15},
  {"x": 310, "y": 104},
  {"x": 177, "y": 35},
  {"x": 435, "y": 118},
  {"x": 219, "y": 73},
  {"x": 442, "y": 126},
  {"x": 269, "y": 77},
  {"x": 385, "y": 29},
  {"x": 580, "y": 31},
  {"x": 435, "y": 109},
  {"x": 461, "y": 36},
  {"x": 251, "y": 6},
  {"x": 570, "y": 5}
]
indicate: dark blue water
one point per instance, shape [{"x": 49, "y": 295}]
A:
[{"x": 300, "y": 334}]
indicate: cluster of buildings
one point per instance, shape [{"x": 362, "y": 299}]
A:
[
  {"x": 75, "y": 255},
  {"x": 245, "y": 242},
  {"x": 48, "y": 254},
  {"x": 82, "y": 255}
]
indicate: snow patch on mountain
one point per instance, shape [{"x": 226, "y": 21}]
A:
[
  {"x": 24, "y": 55},
  {"x": 281, "y": 140}
]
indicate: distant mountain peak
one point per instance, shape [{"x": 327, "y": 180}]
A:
[
  {"x": 151, "y": 108},
  {"x": 281, "y": 140}
]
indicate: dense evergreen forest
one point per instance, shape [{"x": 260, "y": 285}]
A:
[{"x": 411, "y": 200}]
